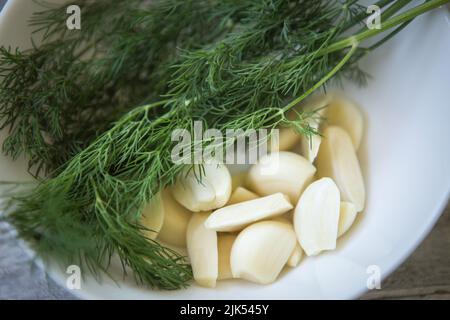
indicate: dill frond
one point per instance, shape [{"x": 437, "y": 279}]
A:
[
  {"x": 56, "y": 98},
  {"x": 240, "y": 64}
]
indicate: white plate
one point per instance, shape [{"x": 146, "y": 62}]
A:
[{"x": 405, "y": 158}]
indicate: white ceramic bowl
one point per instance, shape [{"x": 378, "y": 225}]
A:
[{"x": 405, "y": 157}]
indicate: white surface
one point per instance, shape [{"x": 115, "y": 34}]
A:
[{"x": 405, "y": 157}]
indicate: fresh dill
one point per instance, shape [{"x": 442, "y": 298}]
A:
[{"x": 230, "y": 64}]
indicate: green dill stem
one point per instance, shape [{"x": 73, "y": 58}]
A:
[
  {"x": 399, "y": 19},
  {"x": 390, "y": 11},
  {"x": 363, "y": 14},
  {"x": 353, "y": 41},
  {"x": 396, "y": 6},
  {"x": 387, "y": 14},
  {"x": 144, "y": 108},
  {"x": 324, "y": 79},
  {"x": 389, "y": 36}
]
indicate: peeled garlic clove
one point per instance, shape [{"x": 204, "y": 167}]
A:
[
  {"x": 296, "y": 256},
  {"x": 284, "y": 172},
  {"x": 261, "y": 250},
  {"x": 347, "y": 215},
  {"x": 220, "y": 179},
  {"x": 202, "y": 250},
  {"x": 237, "y": 216},
  {"x": 240, "y": 195},
  {"x": 309, "y": 147},
  {"x": 238, "y": 180},
  {"x": 316, "y": 108},
  {"x": 344, "y": 113},
  {"x": 337, "y": 160},
  {"x": 283, "y": 218},
  {"x": 192, "y": 194},
  {"x": 224, "y": 244},
  {"x": 153, "y": 217},
  {"x": 287, "y": 139},
  {"x": 176, "y": 219},
  {"x": 297, "y": 253},
  {"x": 213, "y": 191},
  {"x": 316, "y": 217}
]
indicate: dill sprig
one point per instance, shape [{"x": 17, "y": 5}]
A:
[{"x": 257, "y": 60}]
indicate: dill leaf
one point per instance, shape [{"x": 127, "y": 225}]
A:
[{"x": 240, "y": 64}]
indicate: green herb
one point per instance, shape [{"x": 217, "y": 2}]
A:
[{"x": 236, "y": 65}]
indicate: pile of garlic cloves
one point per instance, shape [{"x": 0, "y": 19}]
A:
[{"x": 296, "y": 201}]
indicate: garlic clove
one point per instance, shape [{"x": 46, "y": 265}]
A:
[
  {"x": 284, "y": 172},
  {"x": 287, "y": 139},
  {"x": 176, "y": 219},
  {"x": 297, "y": 253},
  {"x": 344, "y": 113},
  {"x": 296, "y": 256},
  {"x": 317, "y": 108},
  {"x": 213, "y": 191},
  {"x": 202, "y": 250},
  {"x": 347, "y": 215},
  {"x": 153, "y": 216},
  {"x": 337, "y": 160},
  {"x": 316, "y": 217},
  {"x": 261, "y": 250},
  {"x": 238, "y": 180},
  {"x": 224, "y": 244},
  {"x": 240, "y": 195},
  {"x": 283, "y": 218},
  {"x": 219, "y": 177},
  {"x": 237, "y": 216},
  {"x": 192, "y": 194},
  {"x": 309, "y": 147}
]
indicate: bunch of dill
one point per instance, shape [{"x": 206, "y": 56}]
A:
[{"x": 230, "y": 64}]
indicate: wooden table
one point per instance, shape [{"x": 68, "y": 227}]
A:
[{"x": 426, "y": 273}]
